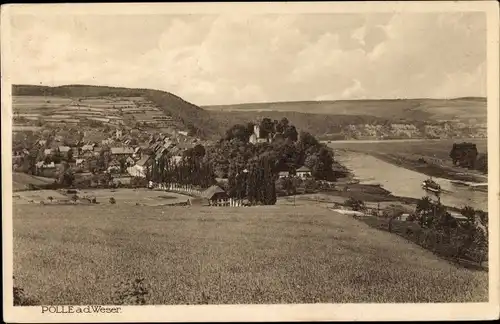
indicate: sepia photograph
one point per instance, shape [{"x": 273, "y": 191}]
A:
[{"x": 217, "y": 157}]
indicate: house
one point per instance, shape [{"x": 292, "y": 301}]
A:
[
  {"x": 79, "y": 162},
  {"x": 122, "y": 151},
  {"x": 47, "y": 152},
  {"x": 137, "y": 152},
  {"x": 283, "y": 174},
  {"x": 39, "y": 165},
  {"x": 64, "y": 149},
  {"x": 403, "y": 217},
  {"x": 215, "y": 194},
  {"x": 88, "y": 147},
  {"x": 42, "y": 142},
  {"x": 130, "y": 161},
  {"x": 176, "y": 159},
  {"x": 139, "y": 169},
  {"x": 303, "y": 172}
]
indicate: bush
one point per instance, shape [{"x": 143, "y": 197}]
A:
[
  {"x": 112, "y": 200},
  {"x": 133, "y": 292},
  {"x": 355, "y": 204},
  {"x": 21, "y": 298}
]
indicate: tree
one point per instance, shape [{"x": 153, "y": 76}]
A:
[
  {"x": 291, "y": 133},
  {"x": 66, "y": 177},
  {"x": 238, "y": 131},
  {"x": 69, "y": 155},
  {"x": 482, "y": 163},
  {"x": 123, "y": 165},
  {"x": 266, "y": 127},
  {"x": 199, "y": 151}
]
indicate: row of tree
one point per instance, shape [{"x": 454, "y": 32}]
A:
[{"x": 192, "y": 169}]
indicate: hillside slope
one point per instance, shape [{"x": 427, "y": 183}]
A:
[
  {"x": 417, "y": 109},
  {"x": 169, "y": 103}
]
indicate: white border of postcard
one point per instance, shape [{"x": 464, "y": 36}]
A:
[{"x": 248, "y": 313}]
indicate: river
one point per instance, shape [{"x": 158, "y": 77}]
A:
[{"x": 407, "y": 183}]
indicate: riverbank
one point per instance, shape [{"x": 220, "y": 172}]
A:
[
  {"x": 400, "y": 183},
  {"x": 430, "y": 168}
]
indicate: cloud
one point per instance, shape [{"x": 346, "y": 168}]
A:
[{"x": 230, "y": 59}]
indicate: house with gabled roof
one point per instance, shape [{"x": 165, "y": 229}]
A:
[{"x": 303, "y": 172}]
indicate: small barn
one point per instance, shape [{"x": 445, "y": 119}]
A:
[{"x": 215, "y": 195}]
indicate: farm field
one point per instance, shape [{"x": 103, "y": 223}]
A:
[
  {"x": 210, "y": 255},
  {"x": 460, "y": 108},
  {"x": 122, "y": 196},
  {"x": 71, "y": 110},
  {"x": 20, "y": 181}
]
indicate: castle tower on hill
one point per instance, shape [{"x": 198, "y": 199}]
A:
[{"x": 256, "y": 130}]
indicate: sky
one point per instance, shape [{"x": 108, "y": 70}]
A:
[{"x": 228, "y": 59}]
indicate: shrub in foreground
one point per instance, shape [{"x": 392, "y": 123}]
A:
[
  {"x": 133, "y": 292},
  {"x": 21, "y": 298}
]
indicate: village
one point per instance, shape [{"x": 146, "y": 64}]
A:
[{"x": 125, "y": 158}]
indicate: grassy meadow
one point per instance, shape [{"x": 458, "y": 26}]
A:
[
  {"x": 407, "y": 154},
  {"x": 200, "y": 255},
  {"x": 439, "y": 149}
]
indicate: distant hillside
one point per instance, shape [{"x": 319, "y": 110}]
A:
[
  {"x": 316, "y": 124},
  {"x": 411, "y": 109},
  {"x": 326, "y": 118},
  {"x": 169, "y": 103}
]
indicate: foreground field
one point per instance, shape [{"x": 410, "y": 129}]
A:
[{"x": 196, "y": 255}]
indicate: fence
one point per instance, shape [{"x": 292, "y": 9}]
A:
[
  {"x": 193, "y": 191},
  {"x": 188, "y": 190}
]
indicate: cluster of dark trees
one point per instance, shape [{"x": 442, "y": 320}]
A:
[
  {"x": 269, "y": 128},
  {"x": 466, "y": 155},
  {"x": 255, "y": 183},
  {"x": 192, "y": 169},
  {"x": 287, "y": 151}
]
